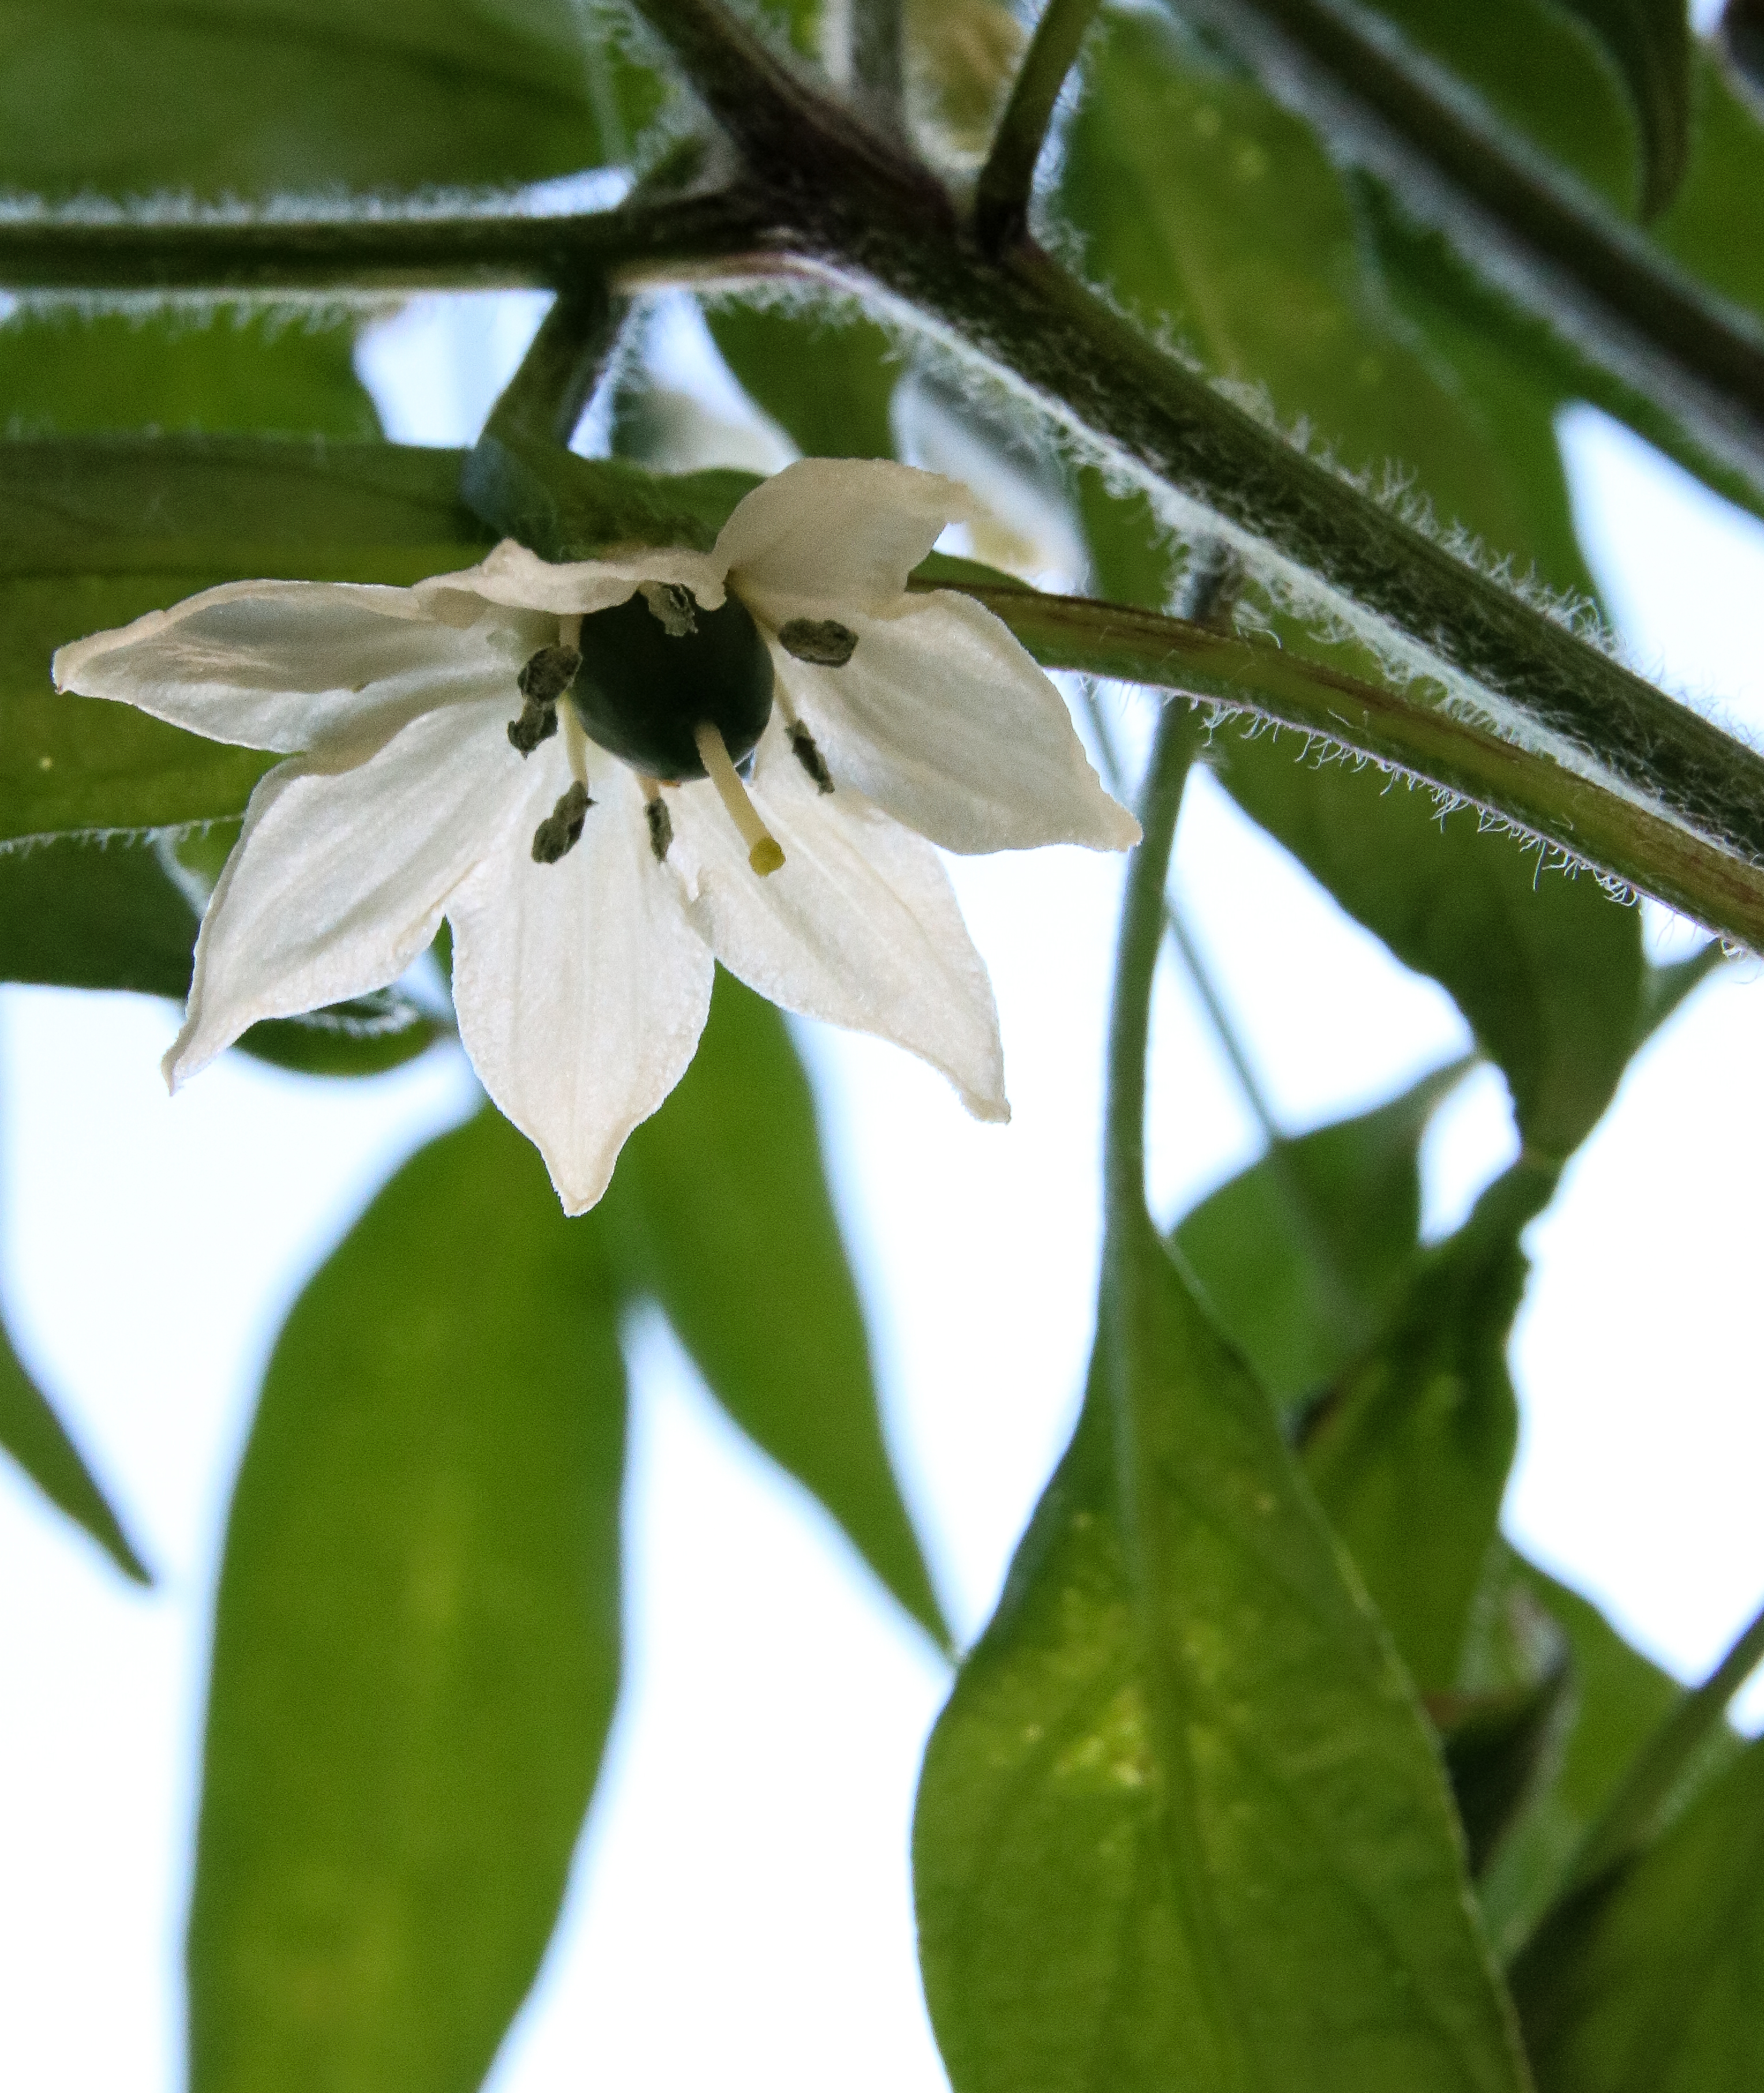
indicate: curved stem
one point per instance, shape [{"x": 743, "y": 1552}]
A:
[
  {"x": 1142, "y": 939},
  {"x": 1593, "y": 825},
  {"x": 1002, "y": 194}
]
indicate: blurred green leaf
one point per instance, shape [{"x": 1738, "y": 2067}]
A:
[
  {"x": 1303, "y": 1257},
  {"x": 364, "y": 1036},
  {"x": 221, "y": 99},
  {"x": 1496, "y": 1747},
  {"x": 1650, "y": 1983},
  {"x": 826, "y": 376},
  {"x": 1547, "y": 967},
  {"x": 1410, "y": 1455},
  {"x": 720, "y": 1209},
  {"x": 1195, "y": 1835},
  {"x": 1617, "y": 1701},
  {"x": 77, "y": 914},
  {"x": 416, "y": 1638},
  {"x": 38, "y": 1441},
  {"x": 1218, "y": 219},
  {"x": 65, "y": 371}
]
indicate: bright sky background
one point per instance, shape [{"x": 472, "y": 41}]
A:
[{"x": 740, "y": 1916}]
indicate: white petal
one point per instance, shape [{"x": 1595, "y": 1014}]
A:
[
  {"x": 296, "y": 665},
  {"x": 338, "y": 880},
  {"x": 581, "y": 987},
  {"x": 941, "y": 718},
  {"x": 859, "y": 926},
  {"x": 510, "y": 574},
  {"x": 849, "y": 530}
]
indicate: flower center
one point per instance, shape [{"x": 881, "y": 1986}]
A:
[{"x": 658, "y": 667}]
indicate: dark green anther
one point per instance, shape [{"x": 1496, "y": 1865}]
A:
[
  {"x": 660, "y": 828},
  {"x": 650, "y": 676},
  {"x": 537, "y": 723},
  {"x": 824, "y": 641},
  {"x": 561, "y": 830},
  {"x": 802, "y": 746}
]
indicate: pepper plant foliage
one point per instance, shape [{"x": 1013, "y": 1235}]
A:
[{"x": 1277, "y": 1769}]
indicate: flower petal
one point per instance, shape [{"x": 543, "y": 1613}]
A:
[
  {"x": 581, "y": 987},
  {"x": 511, "y": 574},
  {"x": 849, "y": 530},
  {"x": 298, "y": 666},
  {"x": 941, "y": 718},
  {"x": 339, "y": 879},
  {"x": 859, "y": 926}
]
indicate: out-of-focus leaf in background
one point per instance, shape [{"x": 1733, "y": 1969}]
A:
[
  {"x": 1304, "y": 1256},
  {"x": 1649, "y": 1981},
  {"x": 416, "y": 1638},
  {"x": 223, "y": 99},
  {"x": 40, "y": 1443},
  {"x": 720, "y": 1211}
]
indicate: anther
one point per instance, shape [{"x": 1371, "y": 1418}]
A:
[
  {"x": 561, "y": 830},
  {"x": 823, "y": 641},
  {"x": 675, "y": 609},
  {"x": 802, "y": 748},
  {"x": 764, "y": 854},
  {"x": 660, "y": 827},
  {"x": 541, "y": 683}
]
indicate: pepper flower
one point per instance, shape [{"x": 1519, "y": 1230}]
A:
[{"x": 608, "y": 775}]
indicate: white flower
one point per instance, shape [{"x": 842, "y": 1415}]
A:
[{"x": 584, "y": 935}]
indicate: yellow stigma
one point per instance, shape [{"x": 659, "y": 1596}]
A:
[{"x": 763, "y": 852}]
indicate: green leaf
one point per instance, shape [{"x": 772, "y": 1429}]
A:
[
  {"x": 1650, "y": 1982},
  {"x": 222, "y": 99},
  {"x": 1617, "y": 1702},
  {"x": 1496, "y": 1747},
  {"x": 94, "y": 534},
  {"x": 38, "y": 1441},
  {"x": 1303, "y": 1257},
  {"x": 1649, "y": 43},
  {"x": 720, "y": 1210},
  {"x": 417, "y": 1640},
  {"x": 1218, "y": 219},
  {"x": 1547, "y": 968},
  {"x": 64, "y": 371},
  {"x": 1199, "y": 1837},
  {"x": 825, "y": 375},
  {"x": 1410, "y": 1455},
  {"x": 76, "y": 914}
]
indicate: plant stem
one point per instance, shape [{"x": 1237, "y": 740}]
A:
[
  {"x": 875, "y": 227},
  {"x": 1002, "y": 194},
  {"x": 1142, "y": 939},
  {"x": 1345, "y": 65},
  {"x": 1631, "y": 1816},
  {"x": 545, "y": 399},
  {"x": 1593, "y": 825},
  {"x": 341, "y": 255}
]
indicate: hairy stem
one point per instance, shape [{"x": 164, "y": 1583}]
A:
[
  {"x": 340, "y": 255},
  {"x": 1591, "y": 825},
  {"x": 1348, "y": 66},
  {"x": 1002, "y": 194}
]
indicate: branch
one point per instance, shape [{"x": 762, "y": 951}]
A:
[
  {"x": 381, "y": 254},
  {"x": 879, "y": 55},
  {"x": 1521, "y": 221},
  {"x": 1002, "y": 194},
  {"x": 1590, "y": 823}
]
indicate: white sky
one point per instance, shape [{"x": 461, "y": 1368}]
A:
[{"x": 740, "y": 1915}]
